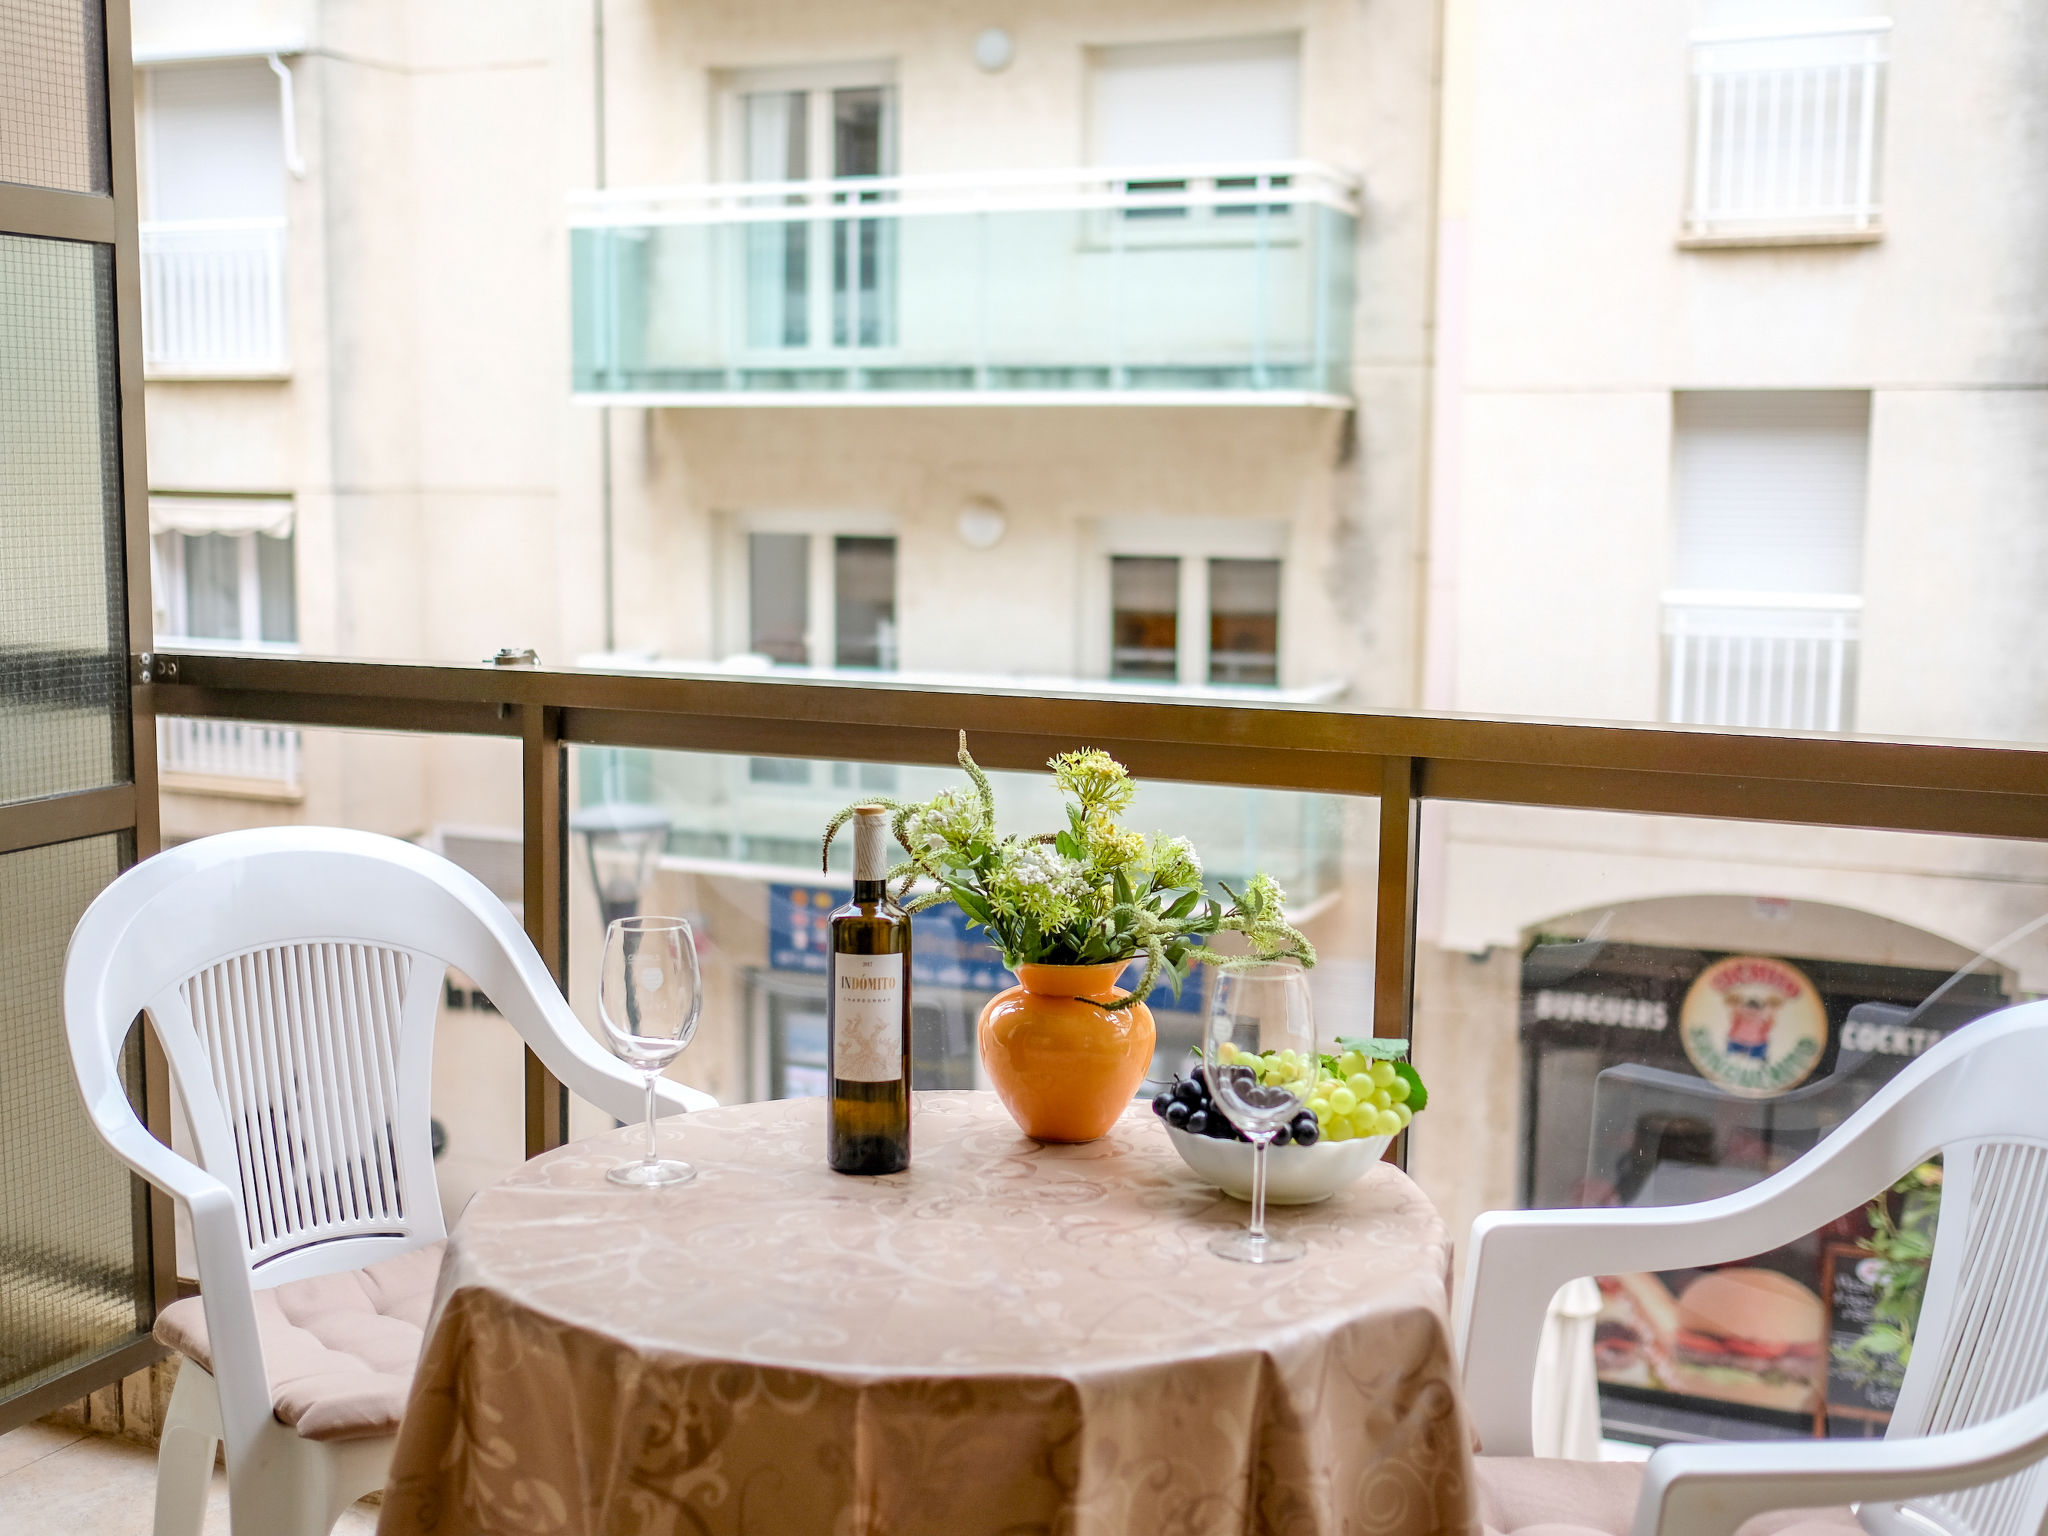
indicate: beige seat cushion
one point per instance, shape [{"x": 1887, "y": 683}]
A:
[
  {"x": 1539, "y": 1496},
  {"x": 340, "y": 1349}
]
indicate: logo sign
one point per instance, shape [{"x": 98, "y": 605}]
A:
[{"x": 1753, "y": 1026}]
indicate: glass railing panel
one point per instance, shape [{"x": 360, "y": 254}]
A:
[
  {"x": 921, "y": 296},
  {"x": 1625, "y": 1010},
  {"x": 741, "y": 860}
]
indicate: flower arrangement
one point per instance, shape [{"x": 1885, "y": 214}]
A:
[{"x": 1089, "y": 894}]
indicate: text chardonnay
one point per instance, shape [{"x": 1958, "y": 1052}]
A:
[{"x": 868, "y": 1012}]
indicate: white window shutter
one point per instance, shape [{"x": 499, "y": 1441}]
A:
[{"x": 1769, "y": 487}]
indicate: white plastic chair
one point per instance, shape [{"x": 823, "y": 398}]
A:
[
  {"x": 1971, "y": 1427},
  {"x": 292, "y": 975}
]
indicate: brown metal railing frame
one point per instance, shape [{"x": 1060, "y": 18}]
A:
[{"x": 1401, "y": 759}]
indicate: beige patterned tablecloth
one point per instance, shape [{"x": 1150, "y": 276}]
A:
[{"x": 1007, "y": 1339}]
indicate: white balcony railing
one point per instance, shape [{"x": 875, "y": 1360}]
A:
[
  {"x": 213, "y": 299},
  {"x": 250, "y": 759},
  {"x": 1787, "y": 131},
  {"x": 1764, "y": 660}
]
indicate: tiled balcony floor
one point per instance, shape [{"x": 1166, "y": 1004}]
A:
[{"x": 68, "y": 1482}]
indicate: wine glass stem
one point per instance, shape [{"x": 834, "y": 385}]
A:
[
  {"x": 652, "y": 1156},
  {"x": 1259, "y": 1188}
]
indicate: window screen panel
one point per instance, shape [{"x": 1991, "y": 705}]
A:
[
  {"x": 53, "y": 95},
  {"x": 1144, "y": 617},
  {"x": 279, "y": 588},
  {"x": 778, "y": 597},
  {"x": 63, "y": 631},
  {"x": 71, "y": 1286},
  {"x": 1244, "y": 621},
  {"x": 864, "y": 603}
]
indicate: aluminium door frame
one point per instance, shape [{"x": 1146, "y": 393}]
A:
[{"x": 111, "y": 219}]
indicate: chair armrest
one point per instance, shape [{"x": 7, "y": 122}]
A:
[
  {"x": 219, "y": 1249},
  {"x": 1518, "y": 1259},
  {"x": 1709, "y": 1490},
  {"x": 514, "y": 978}
]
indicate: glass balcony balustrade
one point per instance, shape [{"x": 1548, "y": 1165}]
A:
[
  {"x": 1155, "y": 285},
  {"x": 762, "y": 815}
]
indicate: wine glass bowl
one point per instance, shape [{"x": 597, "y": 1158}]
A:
[
  {"x": 1259, "y": 1057},
  {"x": 649, "y": 995}
]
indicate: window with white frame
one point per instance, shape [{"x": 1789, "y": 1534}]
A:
[
  {"x": 1194, "y": 602},
  {"x": 813, "y": 591},
  {"x": 223, "y": 569},
  {"x": 1216, "y": 102},
  {"x": 213, "y": 241},
  {"x": 819, "y": 277},
  {"x": 1761, "y": 624}
]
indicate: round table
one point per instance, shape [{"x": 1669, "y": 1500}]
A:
[{"x": 1009, "y": 1337}]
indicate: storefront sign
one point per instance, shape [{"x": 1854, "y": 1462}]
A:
[
  {"x": 1753, "y": 1026},
  {"x": 944, "y": 952}
]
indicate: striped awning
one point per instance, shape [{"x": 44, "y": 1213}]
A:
[{"x": 271, "y": 515}]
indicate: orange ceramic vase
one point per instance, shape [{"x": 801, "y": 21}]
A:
[{"x": 1065, "y": 1066}]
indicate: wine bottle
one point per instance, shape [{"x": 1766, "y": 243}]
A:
[{"x": 868, "y": 1014}]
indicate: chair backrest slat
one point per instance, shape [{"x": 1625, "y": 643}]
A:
[
  {"x": 1981, "y": 1346},
  {"x": 303, "y": 1043}
]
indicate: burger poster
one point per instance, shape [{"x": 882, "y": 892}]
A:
[
  {"x": 1745, "y": 1334},
  {"x": 1655, "y": 1075}
]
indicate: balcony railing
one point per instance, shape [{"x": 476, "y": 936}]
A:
[
  {"x": 1787, "y": 132},
  {"x": 213, "y": 299},
  {"x": 224, "y": 757},
  {"x": 1401, "y": 760},
  {"x": 1210, "y": 283},
  {"x": 1764, "y": 661}
]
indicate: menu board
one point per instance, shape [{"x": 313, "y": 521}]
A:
[{"x": 1857, "y": 1401}]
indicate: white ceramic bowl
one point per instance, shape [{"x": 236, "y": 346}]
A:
[{"x": 1294, "y": 1175}]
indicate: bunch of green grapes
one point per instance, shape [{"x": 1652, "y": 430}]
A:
[
  {"x": 1364, "y": 1091},
  {"x": 1355, "y": 1097}
]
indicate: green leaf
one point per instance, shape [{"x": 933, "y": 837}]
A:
[
  {"x": 1372, "y": 1048},
  {"x": 1418, "y": 1096},
  {"x": 1186, "y": 903}
]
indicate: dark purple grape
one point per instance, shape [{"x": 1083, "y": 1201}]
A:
[
  {"x": 1283, "y": 1136},
  {"x": 1307, "y": 1131},
  {"x": 1160, "y": 1101},
  {"x": 1198, "y": 1123},
  {"x": 1177, "y": 1114},
  {"x": 1220, "y": 1126},
  {"x": 1191, "y": 1093}
]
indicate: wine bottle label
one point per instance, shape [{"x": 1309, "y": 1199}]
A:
[{"x": 867, "y": 1018}]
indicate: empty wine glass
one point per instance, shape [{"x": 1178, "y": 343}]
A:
[
  {"x": 648, "y": 996},
  {"x": 1260, "y": 1011}
]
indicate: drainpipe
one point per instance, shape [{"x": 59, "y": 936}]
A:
[{"x": 604, "y": 412}]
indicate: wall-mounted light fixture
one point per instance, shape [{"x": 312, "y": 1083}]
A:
[
  {"x": 993, "y": 50},
  {"x": 981, "y": 523}
]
